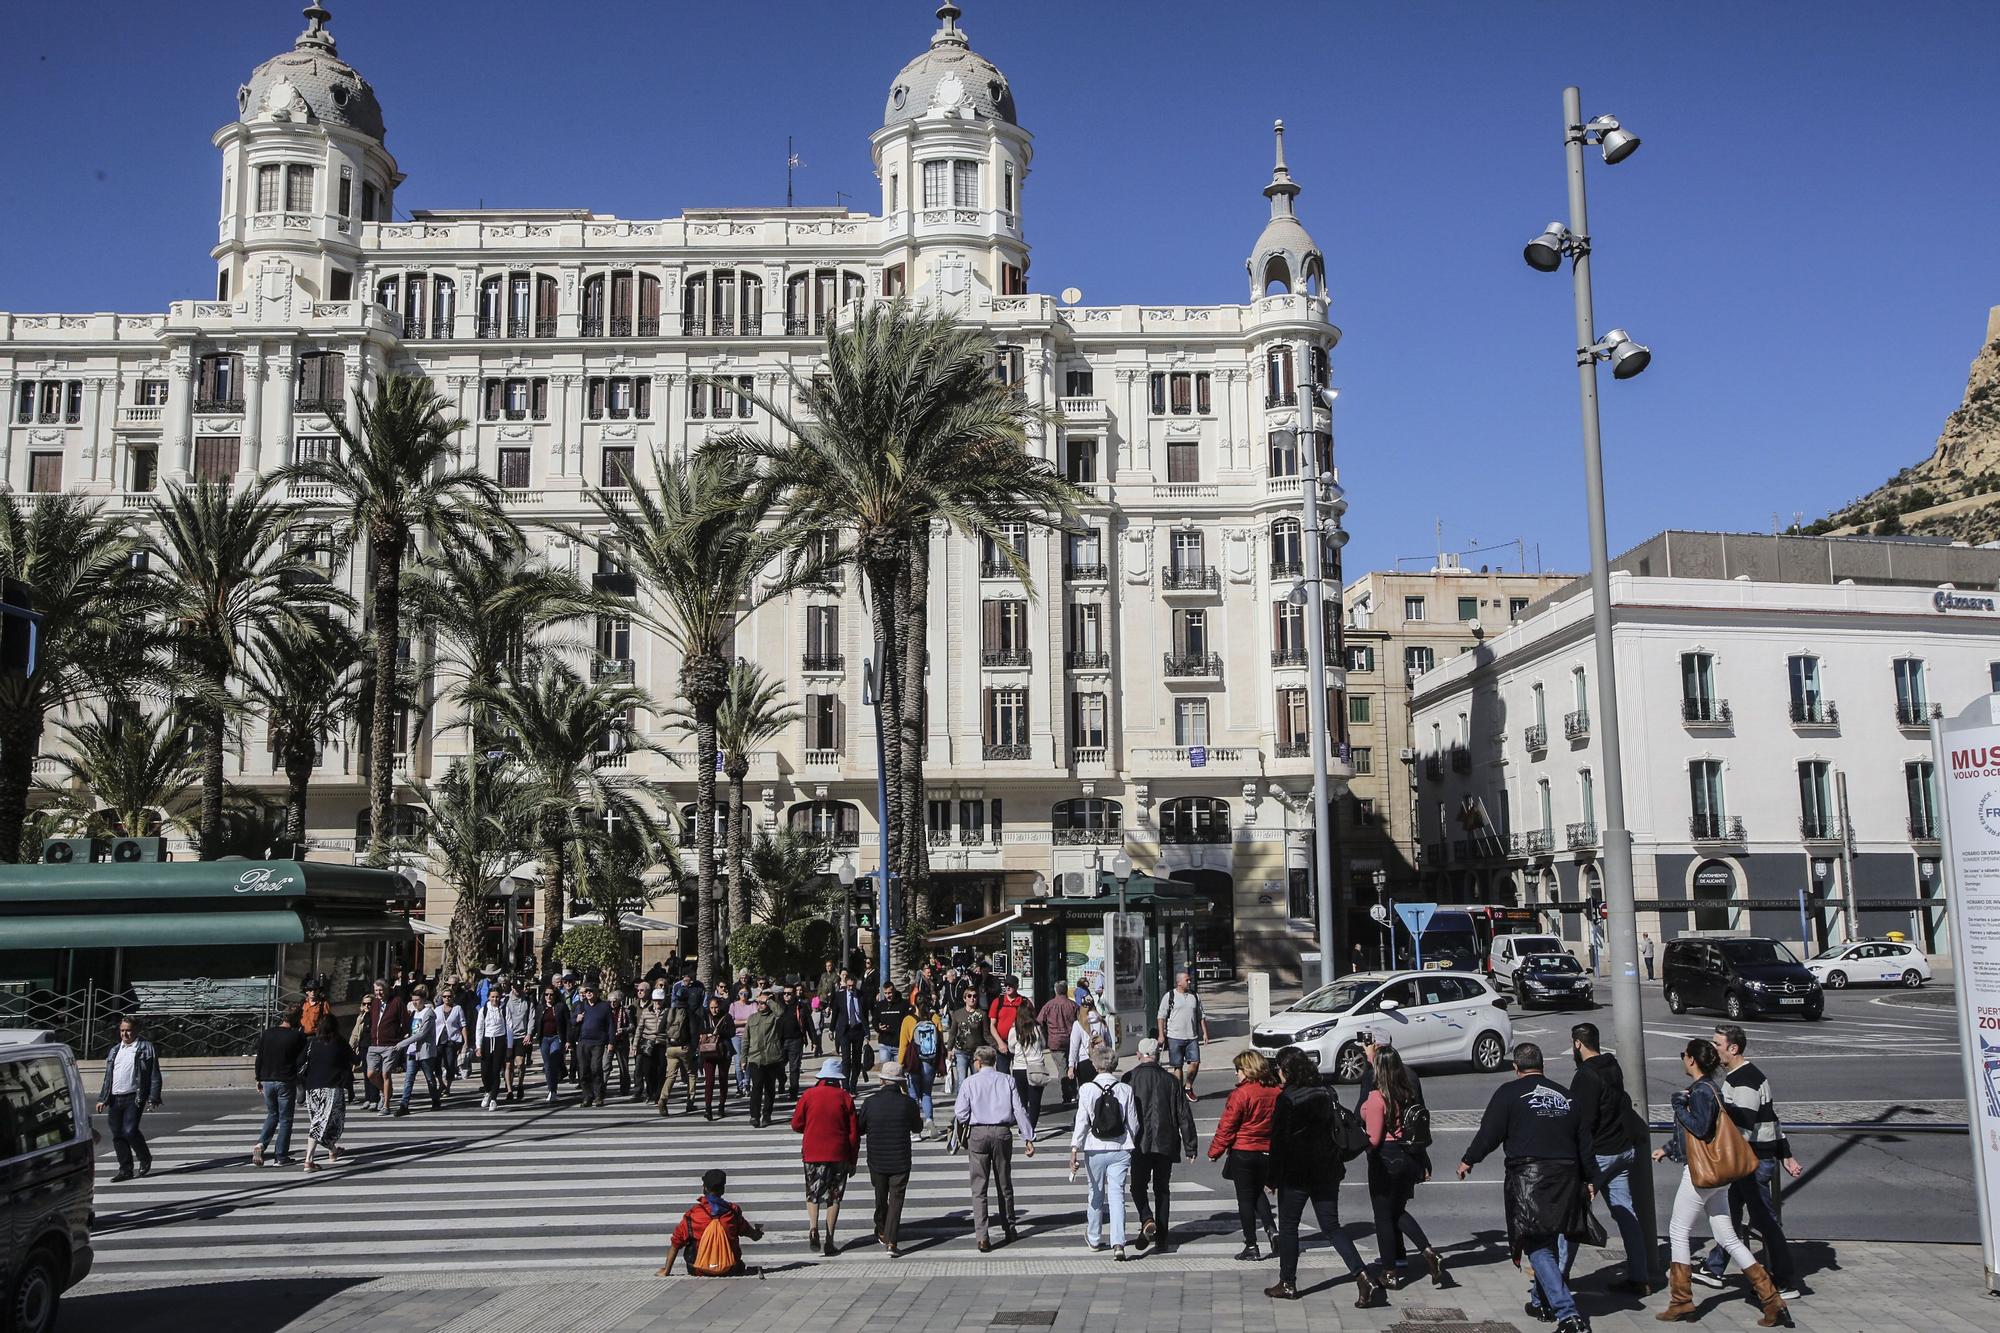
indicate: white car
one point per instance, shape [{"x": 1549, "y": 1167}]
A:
[
  {"x": 1429, "y": 1017},
  {"x": 1508, "y": 951},
  {"x": 1871, "y": 963}
]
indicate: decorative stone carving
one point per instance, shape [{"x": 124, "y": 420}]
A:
[
  {"x": 1138, "y": 557},
  {"x": 1240, "y": 554}
]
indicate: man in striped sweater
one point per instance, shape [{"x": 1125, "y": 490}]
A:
[{"x": 1747, "y": 1094}]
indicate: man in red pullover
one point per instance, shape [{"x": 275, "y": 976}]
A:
[{"x": 1002, "y": 1012}]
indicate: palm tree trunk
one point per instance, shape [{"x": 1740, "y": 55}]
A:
[
  {"x": 550, "y": 917},
  {"x": 891, "y": 686},
  {"x": 388, "y": 597},
  {"x": 20, "y": 737},
  {"x": 912, "y": 838},
  {"x": 706, "y": 942},
  {"x": 739, "y": 889},
  {"x": 461, "y": 944},
  {"x": 298, "y": 780},
  {"x": 212, "y": 742}
]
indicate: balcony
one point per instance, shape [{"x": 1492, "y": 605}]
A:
[
  {"x": 1086, "y": 573},
  {"x": 1186, "y": 666},
  {"x": 1535, "y": 737},
  {"x": 824, "y": 663},
  {"x": 648, "y": 326},
  {"x": 1461, "y": 759},
  {"x": 140, "y": 416},
  {"x": 1716, "y": 828},
  {"x": 1819, "y": 828},
  {"x": 940, "y": 837},
  {"x": 614, "y": 668},
  {"x": 973, "y": 837},
  {"x": 1090, "y": 661},
  {"x": 1916, "y": 713},
  {"x": 1190, "y": 578},
  {"x": 997, "y": 569},
  {"x": 1288, "y": 569},
  {"x": 1083, "y": 409},
  {"x": 489, "y": 328},
  {"x": 1088, "y": 754},
  {"x": 1004, "y": 753},
  {"x": 822, "y": 758},
  {"x": 1581, "y": 837},
  {"x": 1281, "y": 398},
  {"x": 1700, "y": 712},
  {"x": 589, "y": 328},
  {"x": 1200, "y": 835},
  {"x": 1814, "y": 713},
  {"x": 1292, "y": 749},
  {"x": 1437, "y": 853},
  {"x": 1288, "y": 657},
  {"x": 518, "y": 327},
  {"x": 1923, "y": 828},
  {"x": 218, "y": 404},
  {"x": 1183, "y": 756},
  {"x": 310, "y": 492},
  {"x": 1576, "y": 726},
  {"x": 1434, "y": 767},
  {"x": 1087, "y": 837},
  {"x": 545, "y": 328},
  {"x": 1539, "y": 841},
  {"x": 1004, "y": 657}
]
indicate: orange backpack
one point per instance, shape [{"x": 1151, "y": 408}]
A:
[{"x": 715, "y": 1253}]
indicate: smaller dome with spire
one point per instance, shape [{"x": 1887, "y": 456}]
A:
[
  {"x": 951, "y": 75},
  {"x": 1285, "y": 258},
  {"x": 311, "y": 83}
]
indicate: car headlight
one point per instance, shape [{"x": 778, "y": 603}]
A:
[
  {"x": 1315, "y": 1032},
  {"x": 1756, "y": 985}
]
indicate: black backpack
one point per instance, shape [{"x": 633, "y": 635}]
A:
[
  {"x": 1417, "y": 1125},
  {"x": 1107, "y": 1117},
  {"x": 1350, "y": 1136}
]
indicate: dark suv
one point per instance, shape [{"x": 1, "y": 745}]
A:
[
  {"x": 1745, "y": 976},
  {"x": 45, "y": 1179}
]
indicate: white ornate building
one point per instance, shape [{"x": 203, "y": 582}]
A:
[{"x": 1148, "y": 691}]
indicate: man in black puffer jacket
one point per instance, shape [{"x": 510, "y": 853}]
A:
[
  {"x": 1615, "y": 1133},
  {"x": 1165, "y": 1132}
]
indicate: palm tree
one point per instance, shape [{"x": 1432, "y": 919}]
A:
[
  {"x": 571, "y": 737},
  {"x": 479, "y": 831},
  {"x": 698, "y": 545},
  {"x": 905, "y": 425},
  {"x": 307, "y": 683},
  {"x": 227, "y": 579},
  {"x": 784, "y": 869},
  {"x": 621, "y": 863},
  {"x": 130, "y": 775},
  {"x": 753, "y": 713},
  {"x": 76, "y": 562},
  {"x": 396, "y": 474}
]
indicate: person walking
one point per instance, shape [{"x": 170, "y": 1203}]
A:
[
  {"x": 419, "y": 1052},
  {"x": 764, "y": 1050},
  {"x": 1057, "y": 1017},
  {"x": 277, "y": 1072},
  {"x": 1091, "y": 1029},
  {"x": 922, "y": 1047},
  {"x": 1306, "y": 1168},
  {"x": 314, "y": 1007},
  {"x": 450, "y": 1021},
  {"x": 325, "y": 1068},
  {"x": 1242, "y": 1140},
  {"x": 1164, "y": 1133},
  {"x": 1615, "y": 1134},
  {"x": 886, "y": 1019},
  {"x": 493, "y": 1043},
  {"x": 824, "y": 990},
  {"x": 970, "y": 1030},
  {"x": 1397, "y": 1122},
  {"x": 1746, "y": 1095},
  {"x": 742, "y": 1008},
  {"x": 596, "y": 1024},
  {"x": 1698, "y": 1112},
  {"x": 383, "y": 1022},
  {"x": 850, "y": 1028},
  {"x": 794, "y": 1020},
  {"x": 990, "y": 1109},
  {"x": 1183, "y": 1028},
  {"x": 830, "y": 1143},
  {"x": 131, "y": 1087},
  {"x": 649, "y": 1041},
  {"x": 716, "y": 1043},
  {"x": 887, "y": 1119},
  {"x": 1028, "y": 1058},
  {"x": 1102, "y": 1138},
  {"x": 1548, "y": 1191},
  {"x": 1003, "y": 1012},
  {"x": 678, "y": 1031},
  {"x": 524, "y": 1025},
  {"x": 1646, "y": 952},
  {"x": 553, "y": 1034},
  {"x": 618, "y": 1055}
]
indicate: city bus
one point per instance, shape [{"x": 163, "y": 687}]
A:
[{"x": 1451, "y": 942}]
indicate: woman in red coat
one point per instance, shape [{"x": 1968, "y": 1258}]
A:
[
  {"x": 1244, "y": 1135},
  {"x": 825, "y": 1116}
]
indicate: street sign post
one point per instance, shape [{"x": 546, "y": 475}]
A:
[
  {"x": 1966, "y": 753},
  {"x": 1415, "y": 916}
]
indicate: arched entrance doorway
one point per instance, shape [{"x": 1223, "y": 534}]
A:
[
  {"x": 1713, "y": 886},
  {"x": 1209, "y": 945}
]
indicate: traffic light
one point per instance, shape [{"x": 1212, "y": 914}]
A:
[{"x": 864, "y": 904}]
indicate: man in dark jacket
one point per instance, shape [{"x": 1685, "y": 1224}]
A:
[
  {"x": 1607, "y": 1114},
  {"x": 1548, "y": 1195},
  {"x": 385, "y": 1020},
  {"x": 595, "y": 1026},
  {"x": 794, "y": 1022},
  {"x": 888, "y": 1118},
  {"x": 131, "y": 1085},
  {"x": 851, "y": 1008},
  {"x": 278, "y": 1054},
  {"x": 1165, "y": 1132}
]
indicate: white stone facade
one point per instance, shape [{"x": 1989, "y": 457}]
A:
[{"x": 571, "y": 340}]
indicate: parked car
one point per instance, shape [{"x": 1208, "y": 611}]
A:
[
  {"x": 46, "y": 1176},
  {"x": 1871, "y": 962},
  {"x": 1508, "y": 951},
  {"x": 1430, "y": 1017},
  {"x": 1745, "y": 976},
  {"x": 1554, "y": 980}
]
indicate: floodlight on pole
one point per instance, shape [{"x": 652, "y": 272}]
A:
[
  {"x": 1546, "y": 252},
  {"x": 1617, "y": 142}
]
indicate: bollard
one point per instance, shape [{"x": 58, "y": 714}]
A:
[{"x": 1260, "y": 997}]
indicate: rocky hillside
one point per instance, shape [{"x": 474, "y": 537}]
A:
[{"x": 1954, "y": 493}]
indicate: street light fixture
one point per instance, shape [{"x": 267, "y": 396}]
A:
[
  {"x": 1545, "y": 254},
  {"x": 846, "y": 876}
]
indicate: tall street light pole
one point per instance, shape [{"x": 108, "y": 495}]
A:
[
  {"x": 1314, "y": 554},
  {"x": 1546, "y": 253}
]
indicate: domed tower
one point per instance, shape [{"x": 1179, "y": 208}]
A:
[
  {"x": 952, "y": 163},
  {"x": 303, "y": 167},
  {"x": 1285, "y": 258}
]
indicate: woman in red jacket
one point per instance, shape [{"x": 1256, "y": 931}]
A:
[
  {"x": 1245, "y": 1136},
  {"x": 825, "y": 1116}
]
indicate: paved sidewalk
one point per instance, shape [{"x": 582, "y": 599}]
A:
[{"x": 1862, "y": 1289}]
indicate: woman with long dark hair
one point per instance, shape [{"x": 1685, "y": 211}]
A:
[
  {"x": 324, "y": 1072},
  {"x": 715, "y": 1040},
  {"x": 1398, "y": 1127},
  {"x": 1305, "y": 1169},
  {"x": 1243, "y": 1141}
]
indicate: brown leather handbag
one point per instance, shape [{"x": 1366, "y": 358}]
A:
[{"x": 1722, "y": 1159}]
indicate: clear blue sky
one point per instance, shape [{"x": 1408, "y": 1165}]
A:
[{"x": 1806, "y": 239}]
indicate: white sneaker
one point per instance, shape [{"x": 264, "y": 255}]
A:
[{"x": 1702, "y": 1277}]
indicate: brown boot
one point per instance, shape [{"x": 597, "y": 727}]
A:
[
  {"x": 1680, "y": 1290},
  {"x": 1776, "y": 1313}
]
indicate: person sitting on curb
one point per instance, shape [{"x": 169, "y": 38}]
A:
[{"x": 720, "y": 1255}]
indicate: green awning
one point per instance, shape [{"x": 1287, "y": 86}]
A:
[
  {"x": 287, "y": 883},
  {"x": 150, "y": 930}
]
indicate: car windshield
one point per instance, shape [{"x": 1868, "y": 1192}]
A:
[
  {"x": 1536, "y": 944},
  {"x": 1832, "y": 951},
  {"x": 1337, "y": 998},
  {"x": 1756, "y": 953},
  {"x": 1553, "y": 962}
]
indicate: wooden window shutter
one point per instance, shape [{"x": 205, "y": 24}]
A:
[
  {"x": 839, "y": 724},
  {"x": 642, "y": 396},
  {"x": 538, "y": 402},
  {"x": 989, "y": 627},
  {"x": 495, "y": 392},
  {"x": 649, "y": 297},
  {"x": 209, "y": 365},
  {"x": 986, "y": 712},
  {"x": 1201, "y": 398},
  {"x": 596, "y": 396},
  {"x": 333, "y": 378},
  {"x": 545, "y": 297}
]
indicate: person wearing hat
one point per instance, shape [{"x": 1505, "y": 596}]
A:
[
  {"x": 887, "y": 1120},
  {"x": 314, "y": 1007},
  {"x": 711, "y": 1209},
  {"x": 832, "y": 1140},
  {"x": 651, "y": 1039},
  {"x": 764, "y": 1052}
]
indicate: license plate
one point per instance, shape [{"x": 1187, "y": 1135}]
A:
[{"x": 1792, "y": 1000}]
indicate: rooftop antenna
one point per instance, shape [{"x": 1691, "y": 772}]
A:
[{"x": 840, "y": 198}]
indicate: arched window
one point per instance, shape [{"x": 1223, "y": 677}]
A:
[
  {"x": 725, "y": 303},
  {"x": 426, "y": 304},
  {"x": 1280, "y": 377},
  {"x": 1277, "y": 276},
  {"x": 837, "y": 822},
  {"x": 814, "y": 298},
  {"x": 1287, "y": 549},
  {"x": 685, "y": 835},
  {"x": 1087, "y": 819},
  {"x": 1187, "y": 819},
  {"x": 517, "y": 305}
]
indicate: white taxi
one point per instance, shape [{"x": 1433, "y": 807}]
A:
[
  {"x": 1871, "y": 963},
  {"x": 1431, "y": 1018}
]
